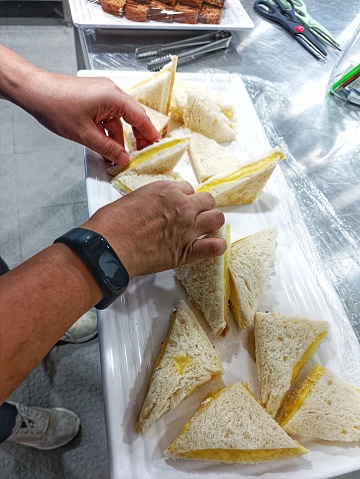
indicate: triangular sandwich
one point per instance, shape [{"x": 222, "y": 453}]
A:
[
  {"x": 186, "y": 361},
  {"x": 159, "y": 120},
  {"x": 322, "y": 406},
  {"x": 155, "y": 91},
  {"x": 129, "y": 180},
  {"x": 242, "y": 186},
  {"x": 179, "y": 100},
  {"x": 207, "y": 285},
  {"x": 208, "y": 158},
  {"x": 251, "y": 259},
  {"x": 158, "y": 158},
  {"x": 231, "y": 426},
  {"x": 206, "y": 118},
  {"x": 283, "y": 345}
]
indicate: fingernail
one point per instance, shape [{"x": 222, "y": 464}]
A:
[{"x": 123, "y": 159}]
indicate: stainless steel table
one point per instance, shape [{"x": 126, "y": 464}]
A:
[{"x": 322, "y": 134}]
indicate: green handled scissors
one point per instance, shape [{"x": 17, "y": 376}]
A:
[{"x": 311, "y": 24}]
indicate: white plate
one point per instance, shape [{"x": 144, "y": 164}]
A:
[
  {"x": 87, "y": 14},
  {"x": 131, "y": 330}
]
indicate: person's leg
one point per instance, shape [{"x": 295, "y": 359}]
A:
[{"x": 8, "y": 413}]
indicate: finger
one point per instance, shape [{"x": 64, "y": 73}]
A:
[
  {"x": 185, "y": 187},
  {"x": 107, "y": 147},
  {"x": 135, "y": 115},
  {"x": 203, "y": 201},
  {"x": 209, "y": 221},
  {"x": 207, "y": 248},
  {"x": 142, "y": 142},
  {"x": 115, "y": 129}
]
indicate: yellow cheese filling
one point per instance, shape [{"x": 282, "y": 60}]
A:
[
  {"x": 181, "y": 362},
  {"x": 156, "y": 148},
  {"x": 123, "y": 186},
  {"x": 307, "y": 355},
  {"x": 244, "y": 171},
  {"x": 248, "y": 455},
  {"x": 228, "y": 113},
  {"x": 296, "y": 399},
  {"x": 226, "y": 269}
]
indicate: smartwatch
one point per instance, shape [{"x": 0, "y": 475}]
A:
[{"x": 101, "y": 260}]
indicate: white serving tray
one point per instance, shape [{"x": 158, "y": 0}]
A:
[
  {"x": 89, "y": 14},
  {"x": 131, "y": 330}
]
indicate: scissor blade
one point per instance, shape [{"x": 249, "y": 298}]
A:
[
  {"x": 325, "y": 38},
  {"x": 310, "y": 47}
]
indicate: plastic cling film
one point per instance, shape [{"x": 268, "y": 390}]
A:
[
  {"x": 345, "y": 78},
  {"x": 330, "y": 246}
]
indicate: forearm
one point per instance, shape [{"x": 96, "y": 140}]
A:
[
  {"x": 18, "y": 78},
  {"x": 40, "y": 300}
]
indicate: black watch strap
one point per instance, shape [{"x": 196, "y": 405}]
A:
[{"x": 101, "y": 260}]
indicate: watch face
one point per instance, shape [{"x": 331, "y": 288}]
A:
[{"x": 107, "y": 262}]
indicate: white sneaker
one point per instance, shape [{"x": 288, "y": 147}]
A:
[
  {"x": 83, "y": 330},
  {"x": 44, "y": 428}
]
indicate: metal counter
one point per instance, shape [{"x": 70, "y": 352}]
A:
[{"x": 322, "y": 134}]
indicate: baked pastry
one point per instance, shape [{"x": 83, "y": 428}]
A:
[
  {"x": 216, "y": 3},
  {"x": 191, "y": 3},
  {"x": 155, "y": 14},
  {"x": 170, "y": 3},
  {"x": 115, "y": 7},
  {"x": 186, "y": 14},
  {"x": 210, "y": 14},
  {"x": 136, "y": 12}
]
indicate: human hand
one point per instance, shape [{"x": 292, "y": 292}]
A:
[
  {"x": 81, "y": 109},
  {"x": 159, "y": 226}
]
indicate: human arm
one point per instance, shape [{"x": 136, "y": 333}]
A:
[
  {"x": 153, "y": 229},
  {"x": 79, "y": 109}
]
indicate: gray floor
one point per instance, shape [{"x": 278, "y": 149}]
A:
[{"x": 42, "y": 194}]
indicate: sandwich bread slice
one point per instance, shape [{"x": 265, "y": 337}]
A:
[
  {"x": 231, "y": 426},
  {"x": 159, "y": 120},
  {"x": 251, "y": 260},
  {"x": 158, "y": 158},
  {"x": 129, "y": 180},
  {"x": 208, "y": 158},
  {"x": 322, "y": 406},
  {"x": 156, "y": 90},
  {"x": 179, "y": 100},
  {"x": 206, "y": 118},
  {"x": 186, "y": 361},
  {"x": 207, "y": 285},
  {"x": 283, "y": 345},
  {"x": 244, "y": 185}
]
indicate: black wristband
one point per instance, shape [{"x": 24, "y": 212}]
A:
[{"x": 101, "y": 260}]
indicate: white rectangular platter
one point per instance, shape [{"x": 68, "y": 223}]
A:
[
  {"x": 89, "y": 14},
  {"x": 131, "y": 330}
]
